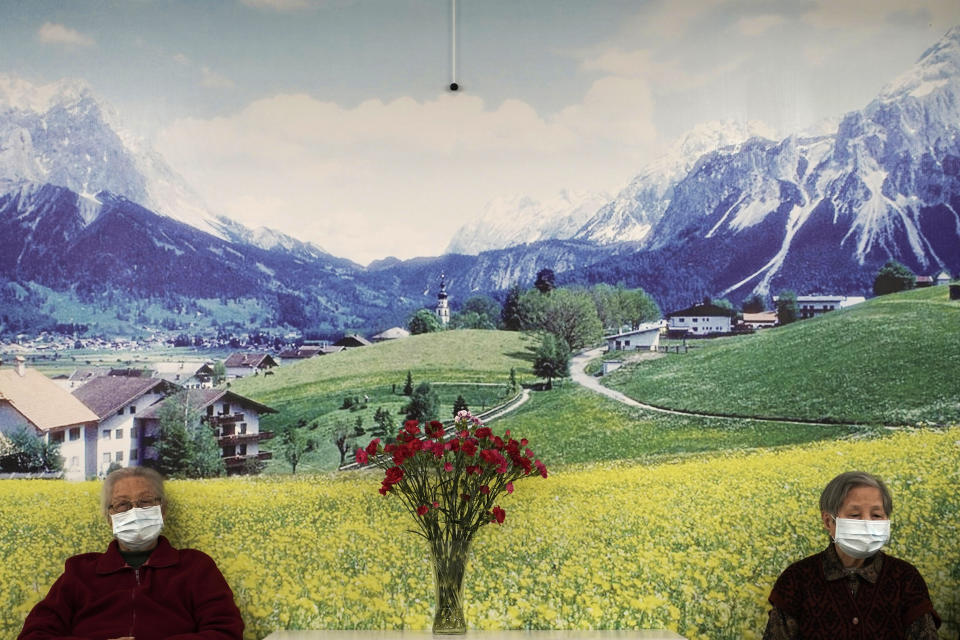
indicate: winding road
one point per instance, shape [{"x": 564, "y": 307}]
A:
[{"x": 578, "y": 374}]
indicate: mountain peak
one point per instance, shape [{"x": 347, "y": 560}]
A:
[
  {"x": 939, "y": 66},
  {"x": 15, "y": 92}
]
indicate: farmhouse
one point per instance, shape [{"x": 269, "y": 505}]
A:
[
  {"x": 943, "y": 278},
  {"x": 234, "y": 419},
  {"x": 700, "y": 319},
  {"x": 645, "y": 337},
  {"x": 352, "y": 341},
  {"x": 189, "y": 374},
  {"x": 393, "y": 333},
  {"x": 32, "y": 400},
  {"x": 813, "y": 306},
  {"x": 240, "y": 365},
  {"x": 115, "y": 400},
  {"x": 761, "y": 320}
]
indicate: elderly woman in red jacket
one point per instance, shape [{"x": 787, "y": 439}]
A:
[
  {"x": 852, "y": 589},
  {"x": 141, "y": 587}
]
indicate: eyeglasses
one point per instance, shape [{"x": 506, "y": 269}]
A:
[{"x": 142, "y": 503}]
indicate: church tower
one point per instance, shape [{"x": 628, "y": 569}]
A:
[{"x": 443, "y": 307}]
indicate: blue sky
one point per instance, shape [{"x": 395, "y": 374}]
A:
[{"x": 329, "y": 119}]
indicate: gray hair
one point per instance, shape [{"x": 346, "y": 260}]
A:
[
  {"x": 148, "y": 474},
  {"x": 837, "y": 489}
]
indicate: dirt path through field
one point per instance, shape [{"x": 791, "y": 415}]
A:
[{"x": 578, "y": 374}]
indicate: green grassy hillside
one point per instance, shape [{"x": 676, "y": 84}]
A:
[
  {"x": 893, "y": 359},
  {"x": 474, "y": 364}
]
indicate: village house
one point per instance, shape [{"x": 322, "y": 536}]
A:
[
  {"x": 943, "y": 278},
  {"x": 813, "y": 306},
  {"x": 234, "y": 419},
  {"x": 241, "y": 365},
  {"x": 700, "y": 320},
  {"x": 645, "y": 337},
  {"x": 352, "y": 341},
  {"x": 189, "y": 374},
  {"x": 116, "y": 401},
  {"x": 305, "y": 351},
  {"x": 32, "y": 400},
  {"x": 760, "y": 320},
  {"x": 393, "y": 333}
]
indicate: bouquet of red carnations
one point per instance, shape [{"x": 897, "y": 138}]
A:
[{"x": 450, "y": 484}]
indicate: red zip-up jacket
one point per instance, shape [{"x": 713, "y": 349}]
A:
[{"x": 175, "y": 595}]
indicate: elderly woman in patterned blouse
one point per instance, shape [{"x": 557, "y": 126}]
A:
[{"x": 852, "y": 589}]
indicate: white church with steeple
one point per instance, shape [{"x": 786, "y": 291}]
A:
[{"x": 443, "y": 305}]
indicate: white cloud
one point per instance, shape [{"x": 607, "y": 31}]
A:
[
  {"x": 758, "y": 25},
  {"x": 53, "y": 33},
  {"x": 399, "y": 177},
  {"x": 214, "y": 80}
]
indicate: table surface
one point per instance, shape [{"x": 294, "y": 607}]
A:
[{"x": 332, "y": 634}]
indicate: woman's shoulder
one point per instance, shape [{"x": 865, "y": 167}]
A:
[{"x": 899, "y": 567}]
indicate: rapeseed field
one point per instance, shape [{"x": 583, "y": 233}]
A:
[{"x": 692, "y": 545}]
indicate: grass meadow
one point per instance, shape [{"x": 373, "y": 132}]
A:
[
  {"x": 893, "y": 359},
  {"x": 691, "y": 544}
]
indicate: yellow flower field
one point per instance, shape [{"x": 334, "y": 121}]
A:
[{"x": 693, "y": 545}]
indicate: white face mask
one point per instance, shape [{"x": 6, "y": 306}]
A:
[
  {"x": 861, "y": 538},
  {"x": 137, "y": 529}
]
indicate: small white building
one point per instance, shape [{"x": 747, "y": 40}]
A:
[
  {"x": 761, "y": 320},
  {"x": 241, "y": 365},
  {"x": 646, "y": 337},
  {"x": 189, "y": 374},
  {"x": 942, "y": 278},
  {"x": 812, "y": 306},
  {"x": 700, "y": 320}
]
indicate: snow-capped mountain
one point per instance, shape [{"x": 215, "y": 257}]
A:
[
  {"x": 825, "y": 212},
  {"x": 511, "y": 221},
  {"x": 639, "y": 206},
  {"x": 62, "y": 134}
]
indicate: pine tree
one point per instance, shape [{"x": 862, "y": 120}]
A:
[{"x": 460, "y": 404}]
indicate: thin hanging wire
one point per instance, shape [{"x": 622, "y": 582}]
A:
[{"x": 453, "y": 44}]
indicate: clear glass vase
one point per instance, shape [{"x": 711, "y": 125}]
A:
[{"x": 449, "y": 566}]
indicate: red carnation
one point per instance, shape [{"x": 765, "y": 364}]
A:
[
  {"x": 482, "y": 432},
  {"x": 447, "y": 467},
  {"x": 542, "y": 468},
  {"x": 498, "y": 515},
  {"x": 469, "y": 447},
  {"x": 509, "y": 487},
  {"x": 422, "y": 510},
  {"x": 360, "y": 456},
  {"x": 485, "y": 489},
  {"x": 394, "y": 475},
  {"x": 372, "y": 447},
  {"x": 412, "y": 427}
]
